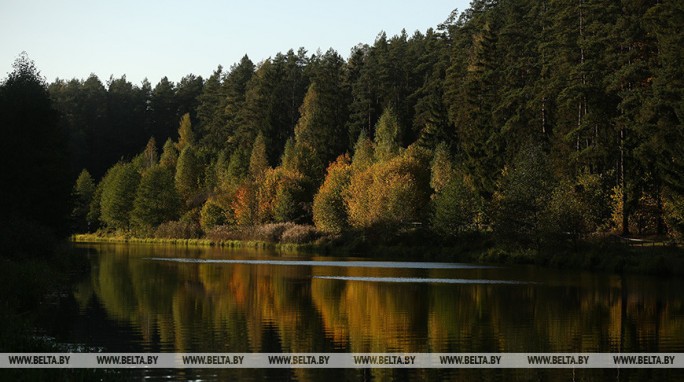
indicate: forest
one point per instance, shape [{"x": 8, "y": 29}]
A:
[{"x": 533, "y": 123}]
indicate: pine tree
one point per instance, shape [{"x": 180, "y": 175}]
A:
[{"x": 163, "y": 110}]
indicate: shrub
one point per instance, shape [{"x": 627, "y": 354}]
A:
[
  {"x": 456, "y": 208},
  {"x": 181, "y": 229},
  {"x": 212, "y": 214},
  {"x": 226, "y": 233},
  {"x": 270, "y": 232},
  {"x": 300, "y": 234},
  {"x": 566, "y": 216}
]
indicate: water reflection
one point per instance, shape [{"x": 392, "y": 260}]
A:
[{"x": 250, "y": 302}]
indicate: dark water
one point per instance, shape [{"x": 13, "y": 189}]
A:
[{"x": 142, "y": 298}]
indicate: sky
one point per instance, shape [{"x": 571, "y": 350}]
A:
[{"x": 152, "y": 39}]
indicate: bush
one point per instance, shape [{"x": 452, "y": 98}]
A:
[
  {"x": 566, "y": 216},
  {"x": 181, "y": 229},
  {"x": 212, "y": 214},
  {"x": 270, "y": 232},
  {"x": 300, "y": 234},
  {"x": 226, "y": 233},
  {"x": 456, "y": 208}
]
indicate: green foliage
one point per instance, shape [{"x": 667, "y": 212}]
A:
[
  {"x": 288, "y": 159},
  {"x": 187, "y": 173},
  {"x": 118, "y": 193},
  {"x": 186, "y": 137},
  {"x": 387, "y": 136},
  {"x": 442, "y": 169},
  {"x": 282, "y": 196},
  {"x": 329, "y": 210},
  {"x": 258, "y": 162},
  {"x": 94, "y": 209},
  {"x": 457, "y": 208},
  {"x": 522, "y": 196},
  {"x": 169, "y": 155},
  {"x": 82, "y": 196},
  {"x": 364, "y": 153},
  {"x": 595, "y": 85},
  {"x": 156, "y": 200},
  {"x": 149, "y": 157},
  {"x": 212, "y": 214},
  {"x": 309, "y": 136},
  {"x": 566, "y": 216}
]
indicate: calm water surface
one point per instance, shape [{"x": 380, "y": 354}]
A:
[{"x": 141, "y": 298}]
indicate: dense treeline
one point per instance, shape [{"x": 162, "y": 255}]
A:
[{"x": 536, "y": 121}]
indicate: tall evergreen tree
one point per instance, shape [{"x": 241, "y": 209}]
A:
[
  {"x": 36, "y": 186},
  {"x": 163, "y": 109}
]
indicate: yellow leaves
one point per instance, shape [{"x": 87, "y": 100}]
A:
[
  {"x": 329, "y": 211},
  {"x": 388, "y": 193}
]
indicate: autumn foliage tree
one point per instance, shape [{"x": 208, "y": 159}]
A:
[
  {"x": 329, "y": 209},
  {"x": 390, "y": 193}
]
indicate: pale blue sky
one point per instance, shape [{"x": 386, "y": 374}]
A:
[{"x": 73, "y": 38}]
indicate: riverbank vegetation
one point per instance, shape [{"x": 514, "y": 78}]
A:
[
  {"x": 540, "y": 127},
  {"x": 516, "y": 126}
]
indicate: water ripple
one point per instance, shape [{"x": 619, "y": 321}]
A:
[
  {"x": 420, "y": 280},
  {"x": 325, "y": 263}
]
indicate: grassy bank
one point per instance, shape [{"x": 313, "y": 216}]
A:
[
  {"x": 597, "y": 255},
  {"x": 237, "y": 244}
]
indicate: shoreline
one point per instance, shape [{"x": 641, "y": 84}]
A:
[{"x": 598, "y": 257}]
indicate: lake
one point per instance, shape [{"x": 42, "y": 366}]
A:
[{"x": 145, "y": 298}]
